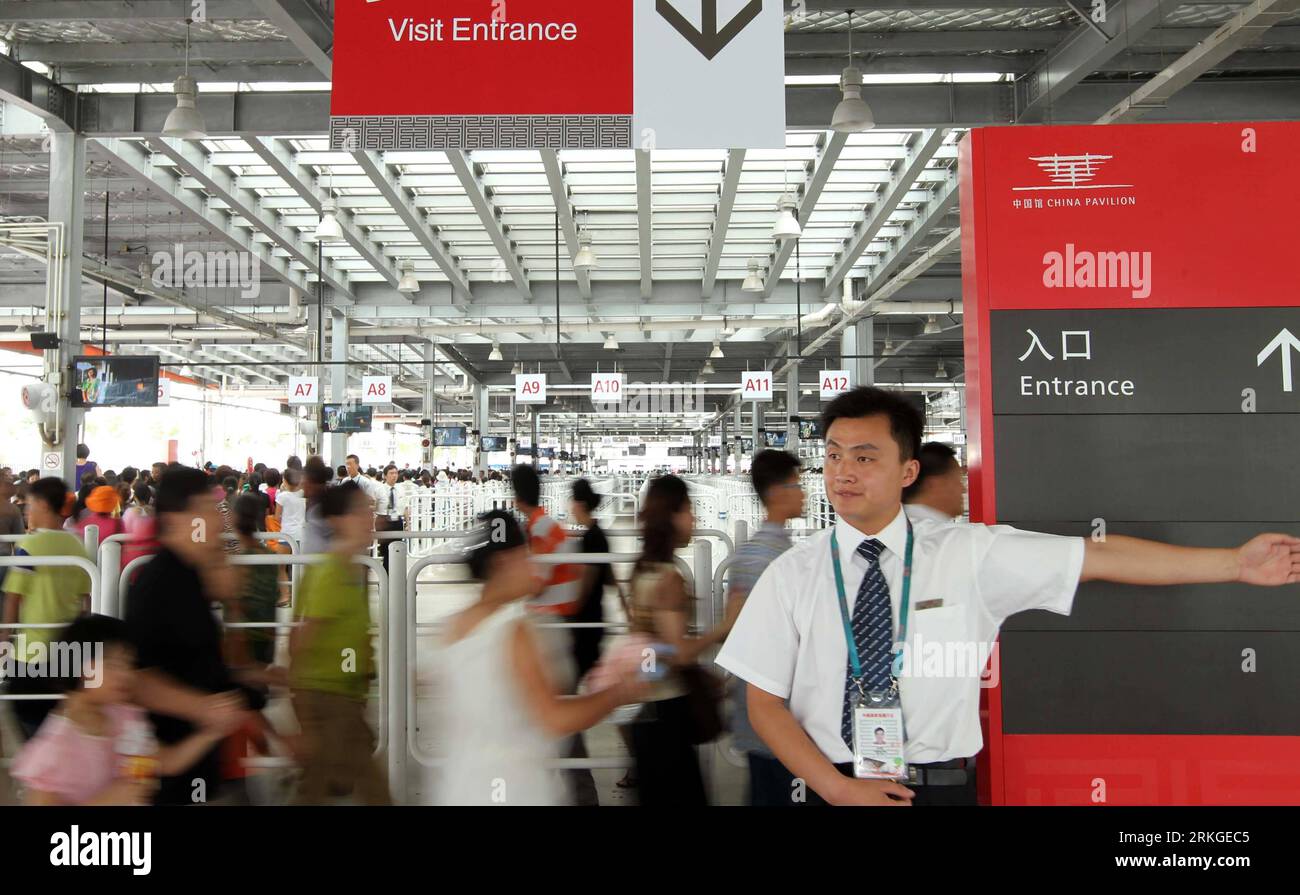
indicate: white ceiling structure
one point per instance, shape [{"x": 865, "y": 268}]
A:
[{"x": 487, "y": 232}]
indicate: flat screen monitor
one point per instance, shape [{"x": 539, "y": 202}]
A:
[
  {"x": 810, "y": 429},
  {"x": 636, "y": 450},
  {"x": 493, "y": 442},
  {"x": 448, "y": 436},
  {"x": 340, "y": 419},
  {"x": 747, "y": 445},
  {"x": 114, "y": 382},
  {"x": 774, "y": 439}
]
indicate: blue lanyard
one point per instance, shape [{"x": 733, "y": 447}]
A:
[{"x": 897, "y": 665}]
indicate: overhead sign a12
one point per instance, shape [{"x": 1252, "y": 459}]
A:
[
  {"x": 530, "y": 388},
  {"x": 834, "y": 383},
  {"x": 756, "y": 386}
]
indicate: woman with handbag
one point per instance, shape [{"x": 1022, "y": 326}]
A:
[{"x": 683, "y": 708}]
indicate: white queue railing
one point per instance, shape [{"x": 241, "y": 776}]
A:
[
  {"x": 403, "y": 708},
  {"x": 396, "y": 626}
]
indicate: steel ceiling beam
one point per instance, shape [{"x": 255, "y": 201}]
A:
[
  {"x": 401, "y": 200},
  {"x": 1245, "y": 28},
  {"x": 818, "y": 173},
  {"x": 191, "y": 158},
  {"x": 732, "y": 169},
  {"x": 1084, "y": 52},
  {"x": 564, "y": 205},
  {"x": 133, "y": 158},
  {"x": 470, "y": 176},
  {"x": 645, "y": 221},
  {"x": 307, "y": 29},
  {"x": 922, "y": 150},
  {"x": 303, "y": 181}
]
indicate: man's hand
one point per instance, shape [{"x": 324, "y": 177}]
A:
[
  {"x": 1270, "y": 560},
  {"x": 853, "y": 791}
]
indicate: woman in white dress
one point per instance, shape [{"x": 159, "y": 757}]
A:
[{"x": 502, "y": 717}]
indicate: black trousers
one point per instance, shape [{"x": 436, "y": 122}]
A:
[
  {"x": 31, "y": 680},
  {"x": 384, "y": 543},
  {"x": 667, "y": 765},
  {"x": 771, "y": 785}
]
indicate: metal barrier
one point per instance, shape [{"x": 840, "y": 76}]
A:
[{"x": 401, "y": 712}]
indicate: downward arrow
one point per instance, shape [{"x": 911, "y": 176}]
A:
[
  {"x": 708, "y": 39},
  {"x": 1283, "y": 342}
]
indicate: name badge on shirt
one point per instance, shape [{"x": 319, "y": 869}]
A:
[
  {"x": 878, "y": 739},
  {"x": 929, "y": 604}
]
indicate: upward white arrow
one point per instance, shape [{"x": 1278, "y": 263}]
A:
[{"x": 1283, "y": 342}]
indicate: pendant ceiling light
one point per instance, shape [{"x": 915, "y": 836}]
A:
[
  {"x": 408, "y": 283},
  {"x": 184, "y": 122},
  {"x": 496, "y": 352},
  {"x": 852, "y": 115},
  {"x": 716, "y": 353},
  {"x": 611, "y": 343},
  {"x": 586, "y": 258},
  {"x": 931, "y": 326},
  {"x": 787, "y": 225},
  {"x": 942, "y": 372},
  {"x": 753, "y": 282}
]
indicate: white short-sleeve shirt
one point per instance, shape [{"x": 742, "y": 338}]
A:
[{"x": 966, "y": 580}]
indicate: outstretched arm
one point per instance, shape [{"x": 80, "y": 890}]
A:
[{"x": 1267, "y": 560}]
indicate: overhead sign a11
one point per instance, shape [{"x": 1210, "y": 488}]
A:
[
  {"x": 304, "y": 390},
  {"x": 530, "y": 388},
  {"x": 756, "y": 386},
  {"x": 834, "y": 383},
  {"x": 376, "y": 389}
]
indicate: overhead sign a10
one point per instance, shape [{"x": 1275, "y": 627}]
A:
[
  {"x": 304, "y": 390},
  {"x": 530, "y": 388},
  {"x": 834, "y": 383},
  {"x": 376, "y": 389},
  {"x": 756, "y": 386},
  {"x": 608, "y": 388}
]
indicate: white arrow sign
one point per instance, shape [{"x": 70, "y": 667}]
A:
[{"x": 1284, "y": 342}]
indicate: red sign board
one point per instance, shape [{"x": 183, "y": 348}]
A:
[
  {"x": 464, "y": 57},
  {"x": 1130, "y": 313}
]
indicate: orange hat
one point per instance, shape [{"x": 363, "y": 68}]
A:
[{"x": 102, "y": 500}]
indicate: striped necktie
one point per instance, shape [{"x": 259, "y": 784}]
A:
[{"x": 873, "y": 633}]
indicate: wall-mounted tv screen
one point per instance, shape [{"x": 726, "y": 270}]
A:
[
  {"x": 810, "y": 429},
  {"x": 774, "y": 439},
  {"x": 747, "y": 445},
  {"x": 115, "y": 382},
  {"x": 340, "y": 419},
  {"x": 448, "y": 436},
  {"x": 493, "y": 442},
  {"x": 636, "y": 450}
]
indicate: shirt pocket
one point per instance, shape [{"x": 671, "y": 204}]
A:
[{"x": 941, "y": 645}]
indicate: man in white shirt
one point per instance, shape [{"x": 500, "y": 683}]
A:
[
  {"x": 369, "y": 486},
  {"x": 939, "y": 490},
  {"x": 392, "y": 509},
  {"x": 790, "y": 642}
]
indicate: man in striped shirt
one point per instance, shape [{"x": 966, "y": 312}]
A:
[
  {"x": 775, "y": 475},
  {"x": 561, "y": 597}
]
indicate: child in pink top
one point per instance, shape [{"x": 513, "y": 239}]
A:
[{"x": 97, "y": 748}]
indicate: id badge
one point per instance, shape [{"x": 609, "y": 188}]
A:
[{"x": 878, "y": 741}]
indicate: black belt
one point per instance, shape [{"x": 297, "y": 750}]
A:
[{"x": 953, "y": 772}]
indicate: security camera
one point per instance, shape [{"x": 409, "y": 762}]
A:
[{"x": 40, "y": 398}]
